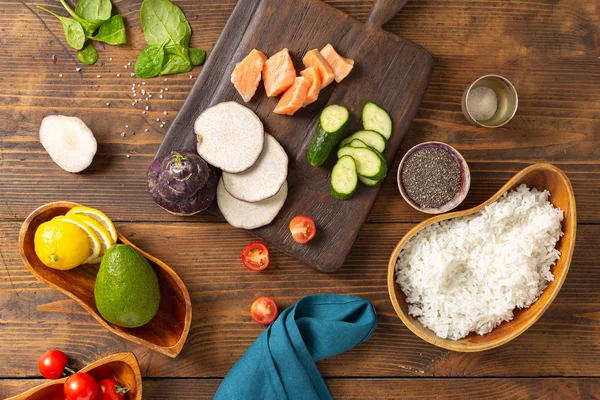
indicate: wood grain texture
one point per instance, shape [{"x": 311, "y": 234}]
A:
[
  {"x": 564, "y": 342},
  {"x": 548, "y": 48},
  {"x": 303, "y": 25},
  {"x": 386, "y": 389}
]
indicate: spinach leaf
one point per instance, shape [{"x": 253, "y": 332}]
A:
[
  {"x": 175, "y": 64},
  {"x": 112, "y": 31},
  {"x": 197, "y": 56},
  {"x": 150, "y": 61},
  {"x": 73, "y": 30},
  {"x": 88, "y": 55},
  {"x": 94, "y": 9},
  {"x": 163, "y": 21},
  {"x": 89, "y": 26}
]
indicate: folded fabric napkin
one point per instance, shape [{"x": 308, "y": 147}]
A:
[{"x": 280, "y": 364}]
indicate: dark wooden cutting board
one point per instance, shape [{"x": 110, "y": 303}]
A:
[{"x": 389, "y": 70}]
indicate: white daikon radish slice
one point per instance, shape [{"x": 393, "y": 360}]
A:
[
  {"x": 264, "y": 178},
  {"x": 69, "y": 141},
  {"x": 241, "y": 214},
  {"x": 230, "y": 136}
]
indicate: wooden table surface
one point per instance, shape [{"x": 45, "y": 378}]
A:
[{"x": 549, "y": 49}]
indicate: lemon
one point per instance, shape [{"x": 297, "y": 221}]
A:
[
  {"x": 104, "y": 236},
  {"x": 61, "y": 245},
  {"x": 98, "y": 216},
  {"x": 93, "y": 241}
]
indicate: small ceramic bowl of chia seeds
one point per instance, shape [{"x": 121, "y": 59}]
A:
[{"x": 433, "y": 177}]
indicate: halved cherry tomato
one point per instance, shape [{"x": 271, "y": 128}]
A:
[
  {"x": 303, "y": 229},
  {"x": 80, "y": 386},
  {"x": 255, "y": 256},
  {"x": 52, "y": 364},
  {"x": 263, "y": 310},
  {"x": 109, "y": 389}
]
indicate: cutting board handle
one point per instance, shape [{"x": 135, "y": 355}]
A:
[{"x": 383, "y": 10}]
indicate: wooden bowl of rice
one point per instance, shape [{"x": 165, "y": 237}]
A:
[{"x": 543, "y": 177}]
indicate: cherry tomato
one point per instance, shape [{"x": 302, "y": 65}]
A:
[
  {"x": 109, "y": 389},
  {"x": 255, "y": 256},
  {"x": 263, "y": 310},
  {"x": 52, "y": 364},
  {"x": 80, "y": 386},
  {"x": 303, "y": 229}
]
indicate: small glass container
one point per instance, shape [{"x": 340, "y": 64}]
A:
[{"x": 491, "y": 101}]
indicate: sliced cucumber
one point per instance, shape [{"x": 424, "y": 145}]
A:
[
  {"x": 329, "y": 130},
  {"x": 369, "y": 162},
  {"x": 370, "y": 138},
  {"x": 356, "y": 143},
  {"x": 344, "y": 178},
  {"x": 376, "y": 119},
  {"x": 369, "y": 182}
]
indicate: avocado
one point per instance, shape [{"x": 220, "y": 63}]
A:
[{"x": 126, "y": 290}]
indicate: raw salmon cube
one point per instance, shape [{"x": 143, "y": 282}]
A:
[
  {"x": 313, "y": 75},
  {"x": 314, "y": 59},
  {"x": 246, "y": 75},
  {"x": 341, "y": 66},
  {"x": 278, "y": 73},
  {"x": 294, "y": 97}
]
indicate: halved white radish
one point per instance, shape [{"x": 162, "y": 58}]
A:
[
  {"x": 69, "y": 141},
  {"x": 230, "y": 136},
  {"x": 241, "y": 214},
  {"x": 264, "y": 178}
]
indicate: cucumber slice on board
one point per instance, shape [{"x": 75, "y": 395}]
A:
[
  {"x": 369, "y": 162},
  {"x": 370, "y": 138},
  {"x": 344, "y": 178},
  {"x": 369, "y": 182},
  {"x": 376, "y": 119},
  {"x": 331, "y": 125}
]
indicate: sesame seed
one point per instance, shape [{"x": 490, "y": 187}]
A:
[
  {"x": 161, "y": 96},
  {"x": 128, "y": 63},
  {"x": 133, "y": 103},
  {"x": 157, "y": 119},
  {"x": 149, "y": 96},
  {"x": 126, "y": 126},
  {"x": 143, "y": 83},
  {"x": 164, "y": 112},
  {"x": 128, "y": 156},
  {"x": 143, "y": 92},
  {"x": 146, "y": 130},
  {"x": 161, "y": 90},
  {"x": 143, "y": 112},
  {"x": 122, "y": 133},
  {"x": 110, "y": 59},
  {"x": 77, "y": 69},
  {"x": 125, "y": 66},
  {"x": 138, "y": 85},
  {"x": 135, "y": 95},
  {"x": 60, "y": 75},
  {"x": 161, "y": 125},
  {"x": 147, "y": 108},
  {"x": 107, "y": 104},
  {"x": 132, "y": 74},
  {"x": 191, "y": 76},
  {"x": 118, "y": 75},
  {"x": 166, "y": 89},
  {"x": 98, "y": 76},
  {"x": 165, "y": 79}
]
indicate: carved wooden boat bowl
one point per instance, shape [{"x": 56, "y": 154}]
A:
[{"x": 165, "y": 333}]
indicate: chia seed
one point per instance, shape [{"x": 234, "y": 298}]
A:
[{"x": 431, "y": 177}]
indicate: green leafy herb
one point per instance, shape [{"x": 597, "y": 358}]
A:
[
  {"x": 150, "y": 61},
  {"x": 88, "y": 55},
  {"x": 162, "y": 21},
  {"x": 197, "y": 56},
  {"x": 165, "y": 24},
  {"x": 73, "y": 30},
  {"x": 174, "y": 64},
  {"x": 112, "y": 31},
  {"x": 94, "y": 9},
  {"x": 89, "y": 26}
]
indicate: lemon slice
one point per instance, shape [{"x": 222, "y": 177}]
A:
[
  {"x": 93, "y": 238},
  {"x": 104, "y": 236},
  {"x": 98, "y": 216}
]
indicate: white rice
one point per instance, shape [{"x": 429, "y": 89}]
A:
[{"x": 469, "y": 273}]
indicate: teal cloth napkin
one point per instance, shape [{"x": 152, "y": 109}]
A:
[{"x": 280, "y": 364}]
